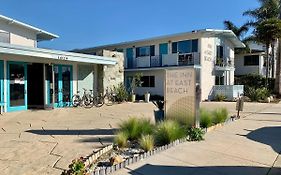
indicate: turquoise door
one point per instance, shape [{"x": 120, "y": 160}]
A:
[
  {"x": 16, "y": 86},
  {"x": 130, "y": 58},
  {"x": 1, "y": 82},
  {"x": 63, "y": 85},
  {"x": 163, "y": 49}
]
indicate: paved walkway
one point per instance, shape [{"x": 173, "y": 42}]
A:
[
  {"x": 44, "y": 142},
  {"x": 245, "y": 147}
]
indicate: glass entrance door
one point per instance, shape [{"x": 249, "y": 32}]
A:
[
  {"x": 63, "y": 85},
  {"x": 17, "y": 86}
]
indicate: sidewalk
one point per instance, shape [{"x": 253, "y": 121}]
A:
[{"x": 248, "y": 146}]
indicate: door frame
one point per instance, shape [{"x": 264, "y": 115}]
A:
[
  {"x": 2, "y": 81},
  {"x": 61, "y": 103},
  {"x": 16, "y": 108}
]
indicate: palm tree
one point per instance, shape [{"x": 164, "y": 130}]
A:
[
  {"x": 267, "y": 32},
  {"x": 240, "y": 32},
  {"x": 268, "y": 9},
  {"x": 277, "y": 83}
]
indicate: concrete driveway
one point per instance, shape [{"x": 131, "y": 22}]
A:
[
  {"x": 45, "y": 142},
  {"x": 249, "y": 146}
]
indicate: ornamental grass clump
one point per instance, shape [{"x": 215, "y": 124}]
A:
[
  {"x": 146, "y": 142},
  {"x": 205, "y": 118},
  {"x": 121, "y": 139},
  {"x": 135, "y": 128},
  {"x": 220, "y": 115},
  {"x": 195, "y": 134},
  {"x": 168, "y": 131}
]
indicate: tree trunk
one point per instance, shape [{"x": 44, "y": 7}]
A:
[
  {"x": 273, "y": 59},
  {"x": 267, "y": 65},
  {"x": 277, "y": 84}
]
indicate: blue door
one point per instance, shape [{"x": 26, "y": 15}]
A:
[
  {"x": 163, "y": 49},
  {"x": 130, "y": 58},
  {"x": 63, "y": 85},
  {"x": 17, "y": 86},
  {"x": 1, "y": 81}
]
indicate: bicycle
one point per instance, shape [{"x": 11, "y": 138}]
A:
[
  {"x": 86, "y": 100},
  {"x": 108, "y": 99}
]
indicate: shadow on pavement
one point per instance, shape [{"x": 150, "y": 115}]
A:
[
  {"x": 261, "y": 120},
  {"x": 200, "y": 170},
  {"x": 267, "y": 135},
  {"x": 73, "y": 132},
  {"x": 108, "y": 139}
]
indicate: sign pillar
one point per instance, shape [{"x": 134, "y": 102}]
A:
[{"x": 180, "y": 95}]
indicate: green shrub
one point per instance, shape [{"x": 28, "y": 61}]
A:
[
  {"x": 121, "y": 139},
  {"x": 205, "y": 118},
  {"x": 77, "y": 167},
  {"x": 257, "y": 94},
  {"x": 254, "y": 81},
  {"x": 262, "y": 93},
  {"x": 146, "y": 142},
  {"x": 220, "y": 97},
  {"x": 195, "y": 134},
  {"x": 168, "y": 131},
  {"x": 220, "y": 115},
  {"x": 136, "y": 127},
  {"x": 121, "y": 93}
]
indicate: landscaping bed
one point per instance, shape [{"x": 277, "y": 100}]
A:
[{"x": 138, "y": 139}]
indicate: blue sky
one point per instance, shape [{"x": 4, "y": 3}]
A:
[{"x": 88, "y": 23}]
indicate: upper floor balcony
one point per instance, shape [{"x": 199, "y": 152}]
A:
[
  {"x": 224, "y": 64},
  {"x": 165, "y": 60}
]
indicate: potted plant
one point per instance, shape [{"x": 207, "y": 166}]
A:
[
  {"x": 147, "y": 97},
  {"x": 159, "y": 114},
  {"x": 136, "y": 82}
]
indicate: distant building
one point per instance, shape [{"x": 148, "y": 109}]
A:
[
  {"x": 210, "y": 52},
  {"x": 255, "y": 61}
]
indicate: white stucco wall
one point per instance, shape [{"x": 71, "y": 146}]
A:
[
  {"x": 240, "y": 69},
  {"x": 159, "y": 82},
  {"x": 208, "y": 53},
  {"x": 19, "y": 35}
]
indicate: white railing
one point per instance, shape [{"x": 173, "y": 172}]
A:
[
  {"x": 143, "y": 61},
  {"x": 175, "y": 59},
  {"x": 178, "y": 59},
  {"x": 229, "y": 91}
]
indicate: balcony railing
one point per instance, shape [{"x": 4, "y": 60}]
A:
[
  {"x": 224, "y": 64},
  {"x": 166, "y": 60},
  {"x": 229, "y": 91},
  {"x": 178, "y": 59},
  {"x": 147, "y": 61}
]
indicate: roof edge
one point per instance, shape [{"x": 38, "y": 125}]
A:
[{"x": 38, "y": 30}]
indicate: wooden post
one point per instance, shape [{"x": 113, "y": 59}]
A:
[{"x": 197, "y": 107}]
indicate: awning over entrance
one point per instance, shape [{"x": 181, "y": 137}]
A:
[{"x": 55, "y": 54}]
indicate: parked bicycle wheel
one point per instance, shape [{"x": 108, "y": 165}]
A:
[
  {"x": 87, "y": 101},
  {"x": 76, "y": 100},
  {"x": 108, "y": 100},
  {"x": 98, "y": 101}
]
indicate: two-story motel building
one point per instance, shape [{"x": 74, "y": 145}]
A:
[
  {"x": 34, "y": 77},
  {"x": 210, "y": 52}
]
